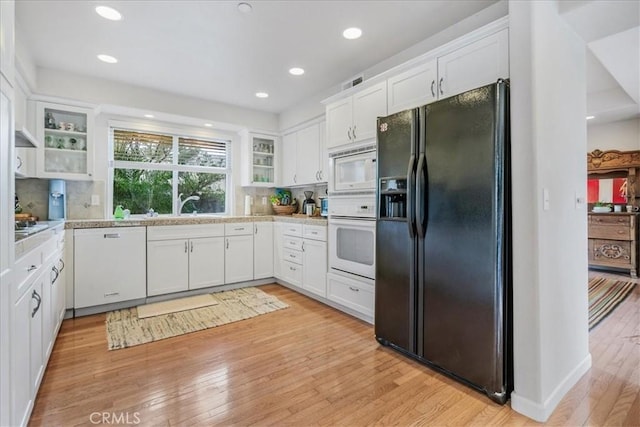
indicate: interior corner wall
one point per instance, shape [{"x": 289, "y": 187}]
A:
[
  {"x": 623, "y": 135},
  {"x": 551, "y": 341}
]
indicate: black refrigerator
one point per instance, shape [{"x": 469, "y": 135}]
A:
[{"x": 443, "y": 239}]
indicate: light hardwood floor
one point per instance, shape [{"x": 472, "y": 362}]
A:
[{"x": 308, "y": 365}]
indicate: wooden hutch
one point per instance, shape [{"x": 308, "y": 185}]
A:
[{"x": 613, "y": 236}]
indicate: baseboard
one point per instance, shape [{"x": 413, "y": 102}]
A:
[{"x": 542, "y": 411}]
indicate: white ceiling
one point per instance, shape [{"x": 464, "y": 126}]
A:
[{"x": 210, "y": 50}]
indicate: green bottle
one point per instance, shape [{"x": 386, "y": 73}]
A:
[{"x": 119, "y": 213}]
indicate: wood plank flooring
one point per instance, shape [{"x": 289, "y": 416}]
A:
[{"x": 307, "y": 365}]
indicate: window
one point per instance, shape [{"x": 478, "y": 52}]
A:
[{"x": 161, "y": 171}]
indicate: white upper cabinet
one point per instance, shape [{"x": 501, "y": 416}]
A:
[
  {"x": 67, "y": 148},
  {"x": 475, "y": 65},
  {"x": 24, "y": 119},
  {"x": 303, "y": 158},
  {"x": 353, "y": 119},
  {"x": 7, "y": 40},
  {"x": 413, "y": 88},
  {"x": 259, "y": 159}
]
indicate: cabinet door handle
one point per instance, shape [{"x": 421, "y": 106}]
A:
[
  {"x": 255, "y": 227},
  {"x": 354, "y": 132},
  {"x": 38, "y": 299},
  {"x": 349, "y": 133},
  {"x": 292, "y": 269},
  {"x": 433, "y": 92},
  {"x": 111, "y": 294},
  {"x": 303, "y": 246},
  {"x": 61, "y": 265},
  {"x": 31, "y": 268},
  {"x": 321, "y": 176},
  {"x": 186, "y": 246},
  {"x": 112, "y": 236},
  {"x": 53, "y": 276},
  {"x": 440, "y": 85},
  {"x": 295, "y": 178},
  {"x": 227, "y": 243},
  {"x": 191, "y": 247},
  {"x": 19, "y": 162},
  {"x": 354, "y": 289},
  {"x": 239, "y": 229}
]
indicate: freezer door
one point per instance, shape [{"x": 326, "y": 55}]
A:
[
  {"x": 395, "y": 314},
  {"x": 463, "y": 253}
]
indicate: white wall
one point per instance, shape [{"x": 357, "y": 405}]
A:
[
  {"x": 623, "y": 135},
  {"x": 549, "y": 246}
]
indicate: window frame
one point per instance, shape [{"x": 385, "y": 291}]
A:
[{"x": 174, "y": 167}]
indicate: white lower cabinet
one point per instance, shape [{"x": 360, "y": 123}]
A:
[
  {"x": 109, "y": 265},
  {"x": 34, "y": 320},
  {"x": 184, "y": 257},
  {"x": 262, "y": 250},
  {"x": 278, "y": 240},
  {"x": 314, "y": 261},
  {"x": 238, "y": 255},
  {"x": 302, "y": 253}
]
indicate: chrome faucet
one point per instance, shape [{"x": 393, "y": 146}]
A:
[{"x": 182, "y": 202}]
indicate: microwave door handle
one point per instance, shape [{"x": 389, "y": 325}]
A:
[{"x": 411, "y": 193}]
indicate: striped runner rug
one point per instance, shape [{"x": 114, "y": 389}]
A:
[{"x": 604, "y": 297}]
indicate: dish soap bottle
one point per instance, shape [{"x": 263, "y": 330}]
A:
[{"x": 119, "y": 212}]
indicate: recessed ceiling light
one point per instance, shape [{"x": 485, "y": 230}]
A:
[
  {"x": 108, "y": 13},
  {"x": 262, "y": 94},
  {"x": 208, "y": 125},
  {"x": 107, "y": 58},
  {"x": 591, "y": 117},
  {"x": 296, "y": 71},
  {"x": 352, "y": 33},
  {"x": 149, "y": 116},
  {"x": 244, "y": 7}
]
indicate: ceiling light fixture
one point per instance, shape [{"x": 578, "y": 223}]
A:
[
  {"x": 149, "y": 116},
  {"x": 244, "y": 7},
  {"x": 591, "y": 117},
  {"x": 352, "y": 33},
  {"x": 262, "y": 94},
  {"x": 208, "y": 125},
  {"x": 108, "y": 13},
  {"x": 296, "y": 71},
  {"x": 107, "y": 58}
]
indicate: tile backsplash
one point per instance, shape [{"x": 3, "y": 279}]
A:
[
  {"x": 34, "y": 198},
  {"x": 257, "y": 194}
]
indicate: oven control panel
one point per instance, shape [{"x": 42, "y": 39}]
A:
[{"x": 353, "y": 206}]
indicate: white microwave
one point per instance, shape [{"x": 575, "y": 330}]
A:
[{"x": 353, "y": 171}]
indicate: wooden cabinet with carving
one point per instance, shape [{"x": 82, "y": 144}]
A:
[{"x": 613, "y": 241}]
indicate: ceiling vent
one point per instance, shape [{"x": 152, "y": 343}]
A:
[{"x": 353, "y": 82}]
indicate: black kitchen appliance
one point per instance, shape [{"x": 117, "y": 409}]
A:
[
  {"x": 443, "y": 252},
  {"x": 308, "y": 201}
]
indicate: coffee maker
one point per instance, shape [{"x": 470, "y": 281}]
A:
[{"x": 57, "y": 200}]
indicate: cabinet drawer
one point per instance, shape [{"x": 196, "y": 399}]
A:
[
  {"x": 169, "y": 232},
  {"x": 292, "y": 256},
  {"x": 238, "y": 229},
  {"x": 613, "y": 231},
  {"x": 614, "y": 253},
  {"x": 621, "y": 220},
  {"x": 350, "y": 293},
  {"x": 292, "y": 229},
  {"x": 292, "y": 273},
  {"x": 25, "y": 269},
  {"x": 315, "y": 232},
  {"x": 294, "y": 243}
]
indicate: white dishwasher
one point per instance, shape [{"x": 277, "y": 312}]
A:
[{"x": 110, "y": 265}]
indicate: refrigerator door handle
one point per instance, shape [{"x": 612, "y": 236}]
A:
[
  {"x": 411, "y": 191},
  {"x": 420, "y": 197}
]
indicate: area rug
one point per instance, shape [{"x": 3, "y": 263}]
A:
[
  {"x": 175, "y": 305},
  {"x": 604, "y": 297},
  {"x": 126, "y": 329}
]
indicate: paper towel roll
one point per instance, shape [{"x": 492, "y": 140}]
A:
[{"x": 247, "y": 205}]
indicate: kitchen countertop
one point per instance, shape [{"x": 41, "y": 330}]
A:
[
  {"x": 187, "y": 220},
  {"x": 24, "y": 243}
]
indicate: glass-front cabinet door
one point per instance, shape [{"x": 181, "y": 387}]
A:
[
  {"x": 66, "y": 133},
  {"x": 259, "y": 160}
]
